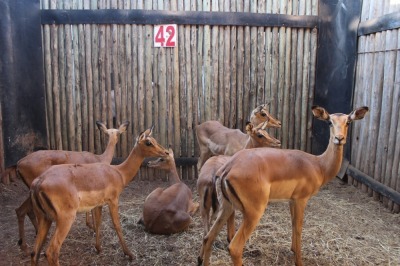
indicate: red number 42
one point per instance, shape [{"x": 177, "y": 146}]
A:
[{"x": 165, "y": 32}]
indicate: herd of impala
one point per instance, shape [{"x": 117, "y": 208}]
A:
[{"x": 237, "y": 171}]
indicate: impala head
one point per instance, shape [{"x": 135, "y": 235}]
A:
[
  {"x": 339, "y": 122},
  {"x": 113, "y": 133},
  {"x": 261, "y": 136},
  {"x": 164, "y": 162},
  {"x": 148, "y": 146},
  {"x": 261, "y": 114}
]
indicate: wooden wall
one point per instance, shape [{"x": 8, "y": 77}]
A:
[
  {"x": 376, "y": 141},
  {"x": 214, "y": 73}
]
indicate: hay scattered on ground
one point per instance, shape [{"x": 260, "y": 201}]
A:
[{"x": 342, "y": 227}]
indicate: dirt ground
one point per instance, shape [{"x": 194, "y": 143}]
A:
[{"x": 342, "y": 226}]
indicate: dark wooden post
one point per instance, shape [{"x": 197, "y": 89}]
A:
[
  {"x": 21, "y": 79},
  {"x": 336, "y": 55}
]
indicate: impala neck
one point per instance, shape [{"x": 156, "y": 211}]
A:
[
  {"x": 108, "y": 154},
  {"x": 173, "y": 175},
  {"x": 131, "y": 165},
  {"x": 331, "y": 160}
]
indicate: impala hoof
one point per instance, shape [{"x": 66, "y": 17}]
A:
[
  {"x": 199, "y": 261},
  {"x": 129, "y": 254},
  {"x": 141, "y": 222},
  {"x": 98, "y": 249},
  {"x": 23, "y": 246}
]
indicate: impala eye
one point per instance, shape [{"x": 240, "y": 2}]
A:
[
  {"x": 263, "y": 114},
  {"x": 260, "y": 136},
  {"x": 148, "y": 143},
  {"x": 329, "y": 123}
]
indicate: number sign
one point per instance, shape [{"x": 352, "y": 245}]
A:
[{"x": 165, "y": 35}]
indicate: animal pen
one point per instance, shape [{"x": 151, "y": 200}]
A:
[
  {"x": 82, "y": 61},
  {"x": 66, "y": 64}
]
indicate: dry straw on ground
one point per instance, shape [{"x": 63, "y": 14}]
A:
[{"x": 342, "y": 227}]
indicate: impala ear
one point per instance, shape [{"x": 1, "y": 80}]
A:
[
  {"x": 123, "y": 127},
  {"x": 147, "y": 132},
  {"x": 264, "y": 125},
  {"x": 144, "y": 134},
  {"x": 249, "y": 127},
  {"x": 320, "y": 113},
  {"x": 101, "y": 126},
  {"x": 141, "y": 136},
  {"x": 358, "y": 113},
  {"x": 265, "y": 105},
  {"x": 151, "y": 130}
]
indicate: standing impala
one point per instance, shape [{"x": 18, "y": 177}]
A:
[
  {"x": 257, "y": 137},
  {"x": 168, "y": 211},
  {"x": 64, "y": 190},
  {"x": 36, "y": 163},
  {"x": 260, "y": 114},
  {"x": 215, "y": 139},
  {"x": 252, "y": 178}
]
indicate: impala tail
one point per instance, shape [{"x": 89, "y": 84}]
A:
[
  {"x": 42, "y": 201},
  {"x": 214, "y": 198}
]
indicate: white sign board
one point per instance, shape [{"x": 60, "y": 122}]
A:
[{"x": 165, "y": 35}]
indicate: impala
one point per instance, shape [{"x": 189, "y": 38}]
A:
[
  {"x": 36, "y": 163},
  {"x": 215, "y": 139},
  {"x": 64, "y": 190},
  {"x": 258, "y": 137},
  {"x": 252, "y": 178},
  {"x": 168, "y": 211}
]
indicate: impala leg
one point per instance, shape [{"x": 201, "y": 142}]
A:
[
  {"x": 297, "y": 226},
  {"x": 181, "y": 221},
  {"x": 96, "y": 214},
  {"x": 205, "y": 207},
  {"x": 291, "y": 208},
  {"x": 204, "y": 211},
  {"x": 231, "y": 227},
  {"x": 205, "y": 252},
  {"x": 32, "y": 217},
  {"x": 43, "y": 229},
  {"x": 21, "y": 211},
  {"x": 204, "y": 155},
  {"x": 250, "y": 221},
  {"x": 63, "y": 225},
  {"x": 193, "y": 207},
  {"x": 113, "y": 206},
  {"x": 90, "y": 221}
]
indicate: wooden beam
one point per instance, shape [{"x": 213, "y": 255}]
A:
[
  {"x": 144, "y": 17},
  {"x": 179, "y": 161},
  {"x": 373, "y": 184},
  {"x": 387, "y": 22}
]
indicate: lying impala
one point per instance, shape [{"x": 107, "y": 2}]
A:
[
  {"x": 257, "y": 137},
  {"x": 215, "y": 139},
  {"x": 36, "y": 163},
  {"x": 168, "y": 211},
  {"x": 254, "y": 177},
  {"x": 64, "y": 190}
]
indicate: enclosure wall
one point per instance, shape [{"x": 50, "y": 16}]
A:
[
  {"x": 112, "y": 72},
  {"x": 376, "y": 148}
]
